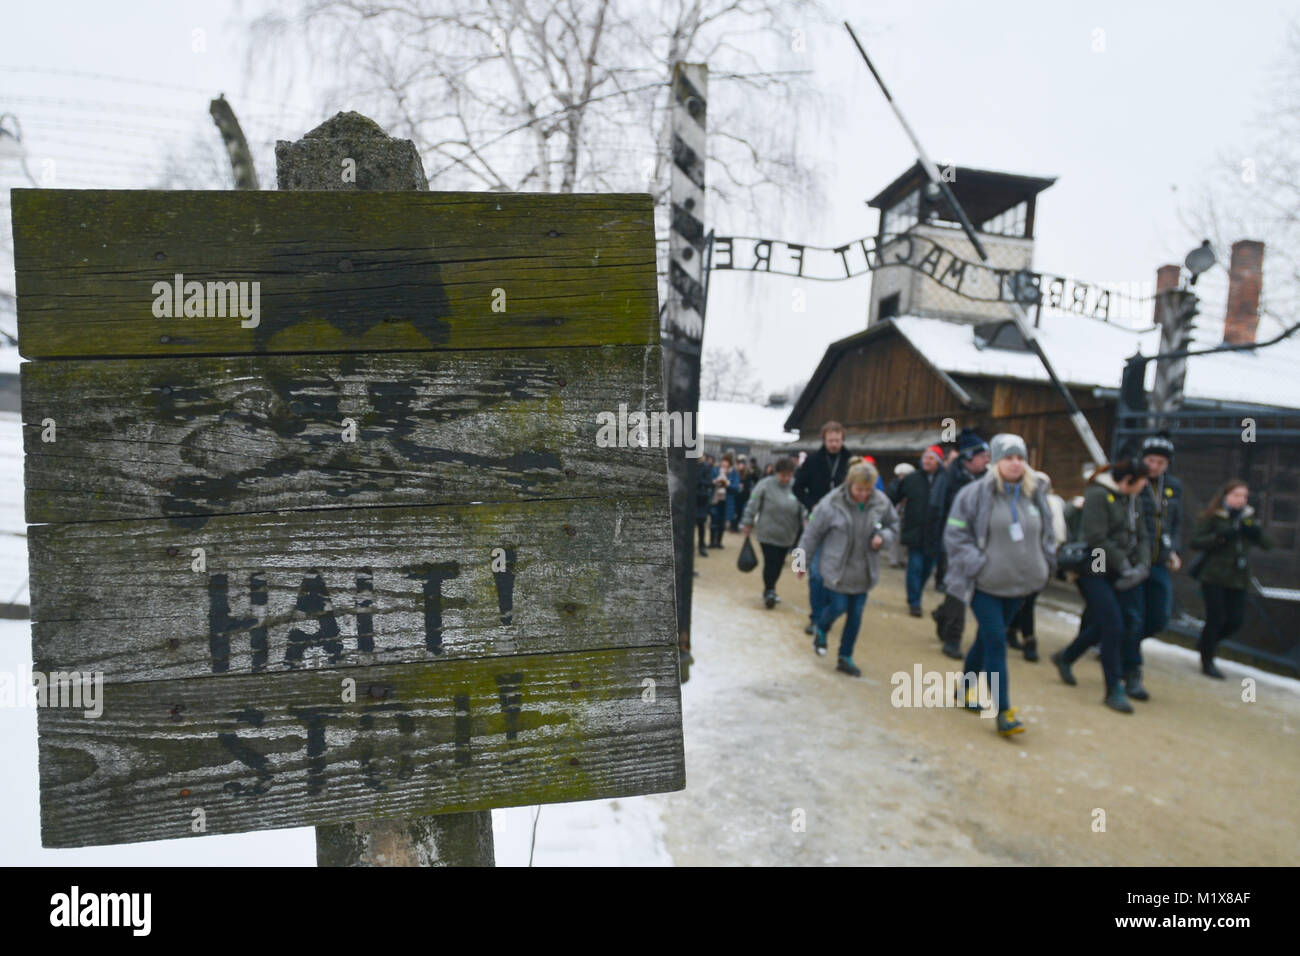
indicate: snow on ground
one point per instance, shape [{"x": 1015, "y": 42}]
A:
[
  {"x": 13, "y": 530},
  {"x": 9, "y": 357},
  {"x": 1155, "y": 649}
]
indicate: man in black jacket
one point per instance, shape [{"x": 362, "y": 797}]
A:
[
  {"x": 916, "y": 488},
  {"x": 821, "y": 471},
  {"x": 972, "y": 461},
  {"x": 1160, "y": 504}
]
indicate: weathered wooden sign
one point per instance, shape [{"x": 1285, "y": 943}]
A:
[{"x": 315, "y": 487}]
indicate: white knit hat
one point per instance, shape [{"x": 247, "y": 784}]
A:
[{"x": 1006, "y": 444}]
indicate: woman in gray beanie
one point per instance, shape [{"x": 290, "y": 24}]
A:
[{"x": 1001, "y": 548}]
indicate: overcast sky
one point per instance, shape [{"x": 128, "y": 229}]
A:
[{"x": 1132, "y": 130}]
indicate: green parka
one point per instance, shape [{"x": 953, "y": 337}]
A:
[
  {"x": 1226, "y": 540},
  {"x": 1111, "y": 521}
]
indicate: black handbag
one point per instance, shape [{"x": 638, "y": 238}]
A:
[
  {"x": 1073, "y": 556},
  {"x": 748, "y": 560}
]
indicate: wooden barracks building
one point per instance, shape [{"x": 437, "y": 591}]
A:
[{"x": 928, "y": 355}]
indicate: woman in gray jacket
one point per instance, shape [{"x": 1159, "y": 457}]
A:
[
  {"x": 850, "y": 526},
  {"x": 775, "y": 516},
  {"x": 1001, "y": 548}
]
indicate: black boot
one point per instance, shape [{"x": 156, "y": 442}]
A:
[
  {"x": 1031, "y": 649},
  {"x": 1207, "y": 663},
  {"x": 1133, "y": 684},
  {"x": 1116, "y": 699},
  {"x": 1063, "y": 668}
]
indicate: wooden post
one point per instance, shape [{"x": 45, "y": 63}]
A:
[
  {"x": 336, "y": 496},
  {"x": 241, "y": 158},
  {"x": 683, "y": 321},
  {"x": 353, "y": 152}
]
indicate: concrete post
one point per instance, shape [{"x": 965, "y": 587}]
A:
[{"x": 353, "y": 152}]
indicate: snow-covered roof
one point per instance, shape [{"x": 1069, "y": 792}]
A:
[
  {"x": 743, "y": 420},
  {"x": 1091, "y": 353}
]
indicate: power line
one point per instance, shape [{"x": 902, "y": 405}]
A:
[
  {"x": 97, "y": 106},
  {"x": 80, "y": 74}
]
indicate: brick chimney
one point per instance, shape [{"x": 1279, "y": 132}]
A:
[
  {"x": 1167, "y": 278},
  {"x": 1245, "y": 277}
]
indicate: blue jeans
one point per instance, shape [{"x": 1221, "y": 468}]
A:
[
  {"x": 919, "y": 566},
  {"x": 989, "y": 652},
  {"x": 837, "y": 604},
  {"x": 1131, "y": 618},
  {"x": 816, "y": 588},
  {"x": 1108, "y": 620},
  {"x": 1153, "y": 600}
]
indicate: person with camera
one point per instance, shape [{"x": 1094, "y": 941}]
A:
[
  {"x": 1118, "y": 561},
  {"x": 1225, "y": 533}
]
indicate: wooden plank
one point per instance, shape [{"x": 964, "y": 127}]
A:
[
  {"x": 350, "y": 588},
  {"x": 338, "y": 271},
  {"x": 141, "y": 438},
  {"x": 256, "y": 752}
]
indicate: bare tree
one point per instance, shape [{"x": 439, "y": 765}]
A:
[
  {"x": 197, "y": 163},
  {"x": 1255, "y": 194},
  {"x": 792, "y": 391},
  {"x": 727, "y": 375},
  {"x": 565, "y": 95}
]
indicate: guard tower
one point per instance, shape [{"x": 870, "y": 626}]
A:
[{"x": 1000, "y": 206}]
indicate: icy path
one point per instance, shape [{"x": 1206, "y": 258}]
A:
[{"x": 1196, "y": 777}]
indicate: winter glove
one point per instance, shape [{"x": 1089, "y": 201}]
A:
[{"x": 1131, "y": 577}]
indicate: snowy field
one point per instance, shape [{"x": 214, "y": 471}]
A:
[{"x": 13, "y": 530}]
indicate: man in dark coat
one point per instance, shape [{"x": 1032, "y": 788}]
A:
[
  {"x": 705, "y": 472},
  {"x": 972, "y": 461},
  {"x": 821, "y": 471},
  {"x": 915, "y": 488},
  {"x": 1160, "y": 505}
]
